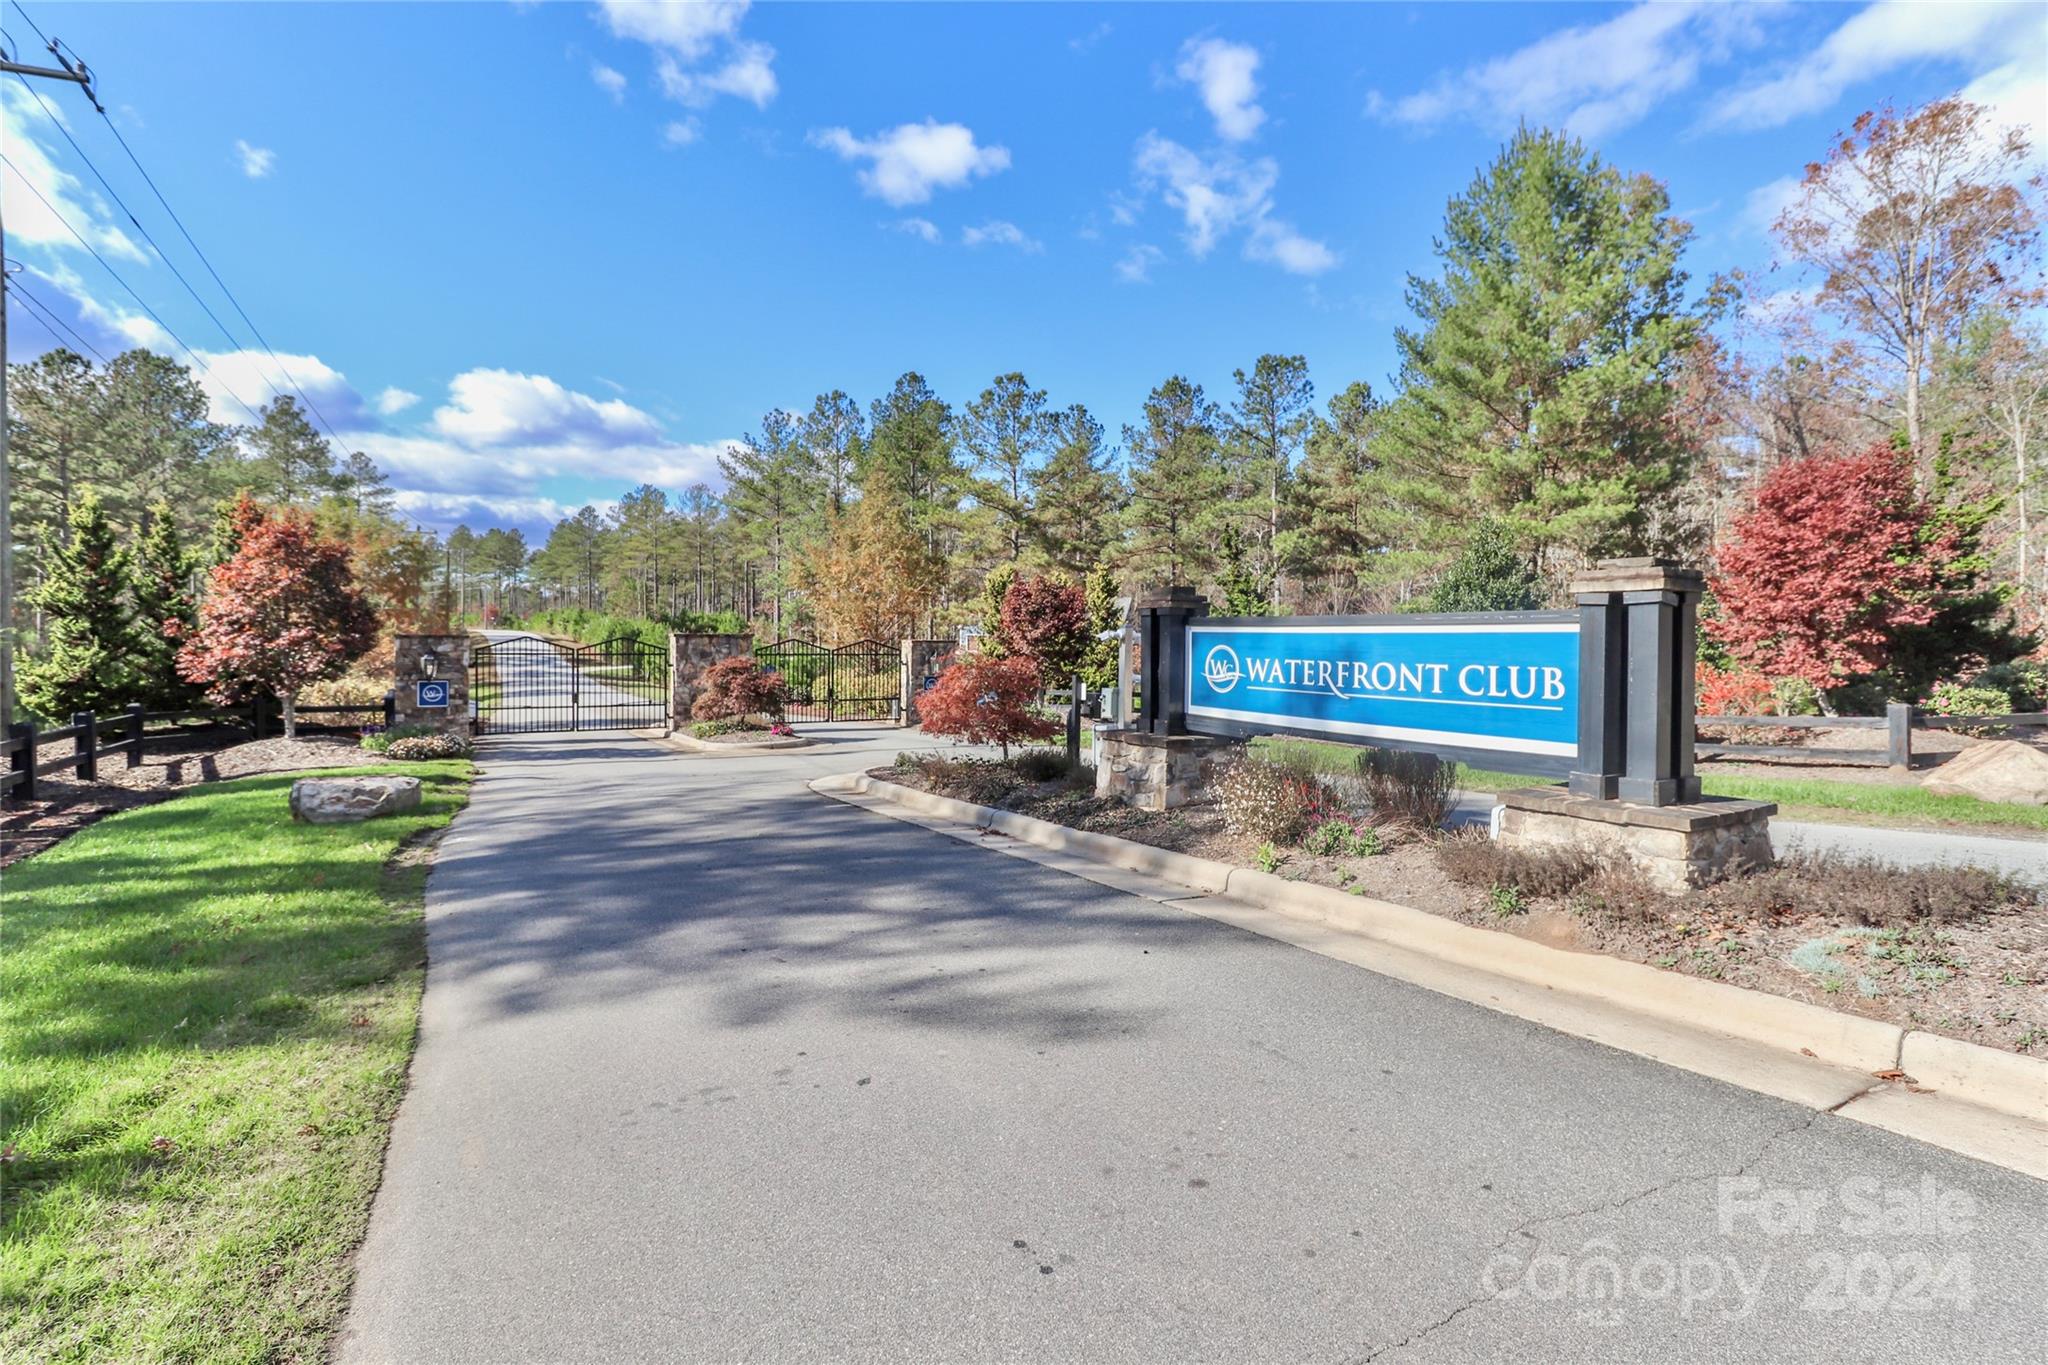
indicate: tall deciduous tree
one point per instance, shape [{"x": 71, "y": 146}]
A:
[
  {"x": 283, "y": 613},
  {"x": 1914, "y": 222},
  {"x": 871, "y": 577},
  {"x": 1538, "y": 388},
  {"x": 1176, "y": 483},
  {"x": 88, "y": 661},
  {"x": 1076, "y": 494}
]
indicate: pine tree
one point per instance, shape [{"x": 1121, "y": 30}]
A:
[
  {"x": 770, "y": 490},
  {"x": 89, "y": 660},
  {"x": 1270, "y": 420},
  {"x": 1539, "y": 388},
  {"x": 166, "y": 612},
  {"x": 1176, "y": 484},
  {"x": 1004, "y": 430},
  {"x": 1076, "y": 495},
  {"x": 289, "y": 461}
]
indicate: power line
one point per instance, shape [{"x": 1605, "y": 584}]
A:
[
  {"x": 50, "y": 318},
  {"x": 116, "y": 276},
  {"x": 133, "y": 220}
]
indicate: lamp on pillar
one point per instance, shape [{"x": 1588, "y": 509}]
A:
[{"x": 430, "y": 665}]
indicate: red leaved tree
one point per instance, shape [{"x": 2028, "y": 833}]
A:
[
  {"x": 282, "y": 613},
  {"x": 1046, "y": 619},
  {"x": 736, "y": 688},
  {"x": 986, "y": 701},
  {"x": 1817, "y": 579}
]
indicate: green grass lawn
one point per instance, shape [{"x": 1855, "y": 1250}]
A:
[
  {"x": 1798, "y": 798},
  {"x": 206, "y": 1013}
]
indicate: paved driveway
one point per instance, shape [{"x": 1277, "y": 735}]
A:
[{"x": 714, "y": 1069}]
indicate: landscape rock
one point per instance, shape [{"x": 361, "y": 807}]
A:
[
  {"x": 2007, "y": 771},
  {"x": 340, "y": 800}
]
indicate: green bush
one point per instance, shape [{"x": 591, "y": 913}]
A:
[
  {"x": 380, "y": 741},
  {"x": 1956, "y": 699},
  {"x": 2024, "y": 682},
  {"x": 1795, "y": 697},
  {"x": 712, "y": 729},
  {"x": 1342, "y": 839}
]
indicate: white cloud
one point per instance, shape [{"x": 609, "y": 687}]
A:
[
  {"x": 2017, "y": 95},
  {"x": 749, "y": 73},
  {"x": 1213, "y": 195},
  {"x": 1278, "y": 242},
  {"x": 393, "y": 401},
  {"x": 489, "y": 407},
  {"x": 237, "y": 383},
  {"x": 257, "y": 162},
  {"x": 1001, "y": 233},
  {"x": 1881, "y": 38},
  {"x": 906, "y": 163},
  {"x": 1222, "y": 194},
  {"x": 1086, "y": 41},
  {"x": 1136, "y": 265},
  {"x": 686, "y": 35},
  {"x": 1589, "y": 80},
  {"x": 40, "y": 222},
  {"x": 688, "y": 30},
  {"x": 682, "y": 132},
  {"x": 1225, "y": 73},
  {"x": 610, "y": 80},
  {"x": 924, "y": 229},
  {"x": 443, "y": 512}
]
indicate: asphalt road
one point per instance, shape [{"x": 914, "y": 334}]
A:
[{"x": 713, "y": 1069}]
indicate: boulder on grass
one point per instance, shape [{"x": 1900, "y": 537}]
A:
[
  {"x": 340, "y": 800},
  {"x": 2007, "y": 771}
]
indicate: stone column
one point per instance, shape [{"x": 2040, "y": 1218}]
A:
[
  {"x": 451, "y": 666},
  {"x": 922, "y": 659},
  {"x": 1157, "y": 772},
  {"x": 688, "y": 657}
]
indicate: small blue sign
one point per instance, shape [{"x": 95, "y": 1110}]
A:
[
  {"x": 433, "y": 695},
  {"x": 1511, "y": 687}
]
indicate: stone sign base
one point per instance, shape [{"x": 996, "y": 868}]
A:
[
  {"x": 1676, "y": 847},
  {"x": 1156, "y": 772}
]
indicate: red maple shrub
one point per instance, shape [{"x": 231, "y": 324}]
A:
[
  {"x": 1833, "y": 560},
  {"x": 736, "y": 688},
  {"x": 986, "y": 701},
  {"x": 282, "y": 613},
  {"x": 1731, "y": 691},
  {"x": 1045, "y": 619}
]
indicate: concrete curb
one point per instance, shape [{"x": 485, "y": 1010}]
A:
[
  {"x": 1986, "y": 1077},
  {"x": 693, "y": 745}
]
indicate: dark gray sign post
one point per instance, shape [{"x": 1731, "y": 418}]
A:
[{"x": 1637, "y": 619}]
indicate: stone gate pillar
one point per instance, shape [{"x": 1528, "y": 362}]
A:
[
  {"x": 921, "y": 662},
  {"x": 435, "y": 695},
  {"x": 688, "y": 657}
]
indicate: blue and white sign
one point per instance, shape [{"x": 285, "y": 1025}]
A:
[
  {"x": 433, "y": 694},
  {"x": 1511, "y": 687}
]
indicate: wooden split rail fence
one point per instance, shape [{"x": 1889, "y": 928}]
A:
[
  {"x": 1898, "y": 722},
  {"x": 90, "y": 738}
]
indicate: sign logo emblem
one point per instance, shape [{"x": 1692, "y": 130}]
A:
[
  {"x": 433, "y": 694},
  {"x": 1220, "y": 669}
]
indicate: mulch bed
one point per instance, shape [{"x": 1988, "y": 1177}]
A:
[
  {"x": 1979, "y": 979},
  {"x": 64, "y": 805}
]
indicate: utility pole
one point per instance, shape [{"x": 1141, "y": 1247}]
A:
[{"x": 79, "y": 76}]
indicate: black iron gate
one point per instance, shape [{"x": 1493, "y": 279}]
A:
[
  {"x": 528, "y": 684},
  {"x": 860, "y": 681}
]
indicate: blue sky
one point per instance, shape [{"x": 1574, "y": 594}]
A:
[{"x": 528, "y": 256}]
